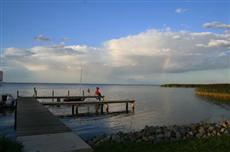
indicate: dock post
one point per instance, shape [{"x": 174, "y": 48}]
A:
[
  {"x": 68, "y": 93},
  {"x": 58, "y": 100},
  {"x": 133, "y": 106},
  {"x": 102, "y": 107},
  {"x": 96, "y": 108},
  {"x": 15, "y": 115},
  {"x": 107, "y": 108},
  {"x": 17, "y": 93},
  {"x": 72, "y": 110},
  {"x": 127, "y": 107},
  {"x": 53, "y": 95},
  {"x": 76, "y": 110}
]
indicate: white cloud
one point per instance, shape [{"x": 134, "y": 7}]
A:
[
  {"x": 181, "y": 10},
  {"x": 41, "y": 38},
  {"x": 219, "y": 43},
  {"x": 156, "y": 51},
  {"x": 132, "y": 58},
  {"x": 217, "y": 25}
]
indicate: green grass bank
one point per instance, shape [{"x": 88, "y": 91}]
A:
[
  {"x": 210, "y": 144},
  {"x": 6, "y": 145}
]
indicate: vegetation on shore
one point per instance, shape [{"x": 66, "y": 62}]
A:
[
  {"x": 210, "y": 144},
  {"x": 6, "y": 145},
  {"x": 182, "y": 85},
  {"x": 220, "y": 92},
  {"x": 217, "y": 92},
  {"x": 220, "y": 87}
]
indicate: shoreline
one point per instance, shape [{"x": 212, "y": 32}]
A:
[{"x": 158, "y": 134}]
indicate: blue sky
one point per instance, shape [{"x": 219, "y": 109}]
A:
[{"x": 95, "y": 23}]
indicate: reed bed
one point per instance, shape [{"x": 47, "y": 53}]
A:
[{"x": 214, "y": 91}]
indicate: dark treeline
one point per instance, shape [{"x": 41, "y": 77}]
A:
[
  {"x": 208, "y": 87},
  {"x": 215, "y": 88}
]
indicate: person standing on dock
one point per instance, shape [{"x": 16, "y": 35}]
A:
[
  {"x": 98, "y": 94},
  {"x": 35, "y": 92},
  {"x": 88, "y": 90}
]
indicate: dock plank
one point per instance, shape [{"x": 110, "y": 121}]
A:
[
  {"x": 34, "y": 119},
  {"x": 39, "y": 130}
]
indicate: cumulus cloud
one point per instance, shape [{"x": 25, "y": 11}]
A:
[
  {"x": 41, "y": 38},
  {"x": 158, "y": 51},
  {"x": 181, "y": 10},
  {"x": 217, "y": 25},
  {"x": 131, "y": 58}
]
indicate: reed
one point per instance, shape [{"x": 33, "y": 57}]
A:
[{"x": 214, "y": 91}]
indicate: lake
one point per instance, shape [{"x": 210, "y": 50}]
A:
[{"x": 154, "y": 106}]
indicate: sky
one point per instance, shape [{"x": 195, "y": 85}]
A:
[{"x": 127, "y": 42}]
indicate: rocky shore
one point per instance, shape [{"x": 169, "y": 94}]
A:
[{"x": 156, "y": 134}]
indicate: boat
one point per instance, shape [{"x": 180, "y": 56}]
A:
[{"x": 7, "y": 101}]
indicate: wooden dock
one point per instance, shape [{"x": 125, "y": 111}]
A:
[
  {"x": 76, "y": 104},
  {"x": 39, "y": 130}
]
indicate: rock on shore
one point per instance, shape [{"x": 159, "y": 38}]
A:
[{"x": 155, "y": 134}]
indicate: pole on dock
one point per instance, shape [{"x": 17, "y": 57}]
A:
[
  {"x": 15, "y": 116},
  {"x": 107, "y": 108},
  {"x": 102, "y": 108},
  {"x": 68, "y": 93},
  {"x": 133, "y": 107},
  {"x": 127, "y": 107},
  {"x": 53, "y": 95},
  {"x": 17, "y": 93},
  {"x": 97, "y": 108},
  {"x": 76, "y": 110},
  {"x": 72, "y": 110},
  {"x": 58, "y": 100}
]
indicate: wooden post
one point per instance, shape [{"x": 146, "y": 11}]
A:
[
  {"x": 127, "y": 107},
  {"x": 102, "y": 107},
  {"x": 53, "y": 95},
  {"x": 96, "y": 108},
  {"x": 83, "y": 93},
  {"x": 133, "y": 106},
  {"x": 58, "y": 100},
  {"x": 68, "y": 93},
  {"x": 76, "y": 110},
  {"x": 17, "y": 93},
  {"x": 15, "y": 116},
  {"x": 107, "y": 108},
  {"x": 72, "y": 110}
]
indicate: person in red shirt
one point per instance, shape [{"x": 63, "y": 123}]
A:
[{"x": 98, "y": 94}]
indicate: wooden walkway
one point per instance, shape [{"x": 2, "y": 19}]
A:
[
  {"x": 39, "y": 130},
  {"x": 98, "y": 105}
]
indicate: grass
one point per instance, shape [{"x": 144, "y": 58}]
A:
[
  {"x": 216, "y": 91},
  {"x": 215, "y": 96},
  {"x": 215, "y": 88},
  {"x": 7, "y": 145},
  {"x": 211, "y": 144}
]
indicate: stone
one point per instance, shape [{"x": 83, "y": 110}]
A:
[{"x": 222, "y": 130}]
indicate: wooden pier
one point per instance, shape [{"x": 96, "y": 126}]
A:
[
  {"x": 99, "y": 105},
  {"x": 39, "y": 130}
]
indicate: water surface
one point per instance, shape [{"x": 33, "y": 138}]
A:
[{"x": 154, "y": 106}]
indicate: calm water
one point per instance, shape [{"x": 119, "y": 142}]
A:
[{"x": 154, "y": 106}]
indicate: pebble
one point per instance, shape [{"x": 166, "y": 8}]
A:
[{"x": 156, "y": 134}]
